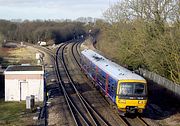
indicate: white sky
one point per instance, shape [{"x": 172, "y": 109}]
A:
[{"x": 53, "y": 9}]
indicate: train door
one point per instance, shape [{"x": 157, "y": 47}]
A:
[
  {"x": 112, "y": 88},
  {"x": 93, "y": 72},
  {"x": 103, "y": 80}
]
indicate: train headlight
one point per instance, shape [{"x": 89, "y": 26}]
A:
[
  {"x": 140, "y": 102},
  {"x": 122, "y": 101}
]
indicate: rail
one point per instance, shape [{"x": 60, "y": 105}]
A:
[
  {"x": 81, "y": 98},
  {"x": 125, "y": 120}
]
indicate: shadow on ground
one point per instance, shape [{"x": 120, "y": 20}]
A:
[
  {"x": 161, "y": 102},
  {"x": 1, "y": 85}
]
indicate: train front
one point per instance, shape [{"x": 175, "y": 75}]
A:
[{"x": 131, "y": 96}]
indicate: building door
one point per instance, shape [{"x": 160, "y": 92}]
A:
[{"x": 24, "y": 90}]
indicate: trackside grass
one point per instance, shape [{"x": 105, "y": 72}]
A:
[{"x": 11, "y": 112}]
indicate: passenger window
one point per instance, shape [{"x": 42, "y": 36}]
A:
[{"x": 112, "y": 87}]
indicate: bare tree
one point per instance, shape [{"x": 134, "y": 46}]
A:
[
  {"x": 150, "y": 10},
  {"x": 145, "y": 32}
]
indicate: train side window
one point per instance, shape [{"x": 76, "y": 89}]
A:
[
  {"x": 112, "y": 83},
  {"x": 91, "y": 70},
  {"x": 101, "y": 79}
]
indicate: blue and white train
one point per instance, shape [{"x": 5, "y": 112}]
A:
[{"x": 127, "y": 90}]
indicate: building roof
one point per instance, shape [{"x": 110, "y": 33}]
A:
[
  {"x": 114, "y": 70},
  {"x": 24, "y": 69}
]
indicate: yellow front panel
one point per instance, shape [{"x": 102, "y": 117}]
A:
[{"x": 123, "y": 103}]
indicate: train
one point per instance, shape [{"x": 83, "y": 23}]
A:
[{"x": 125, "y": 89}]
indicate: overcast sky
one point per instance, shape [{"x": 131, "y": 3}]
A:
[{"x": 52, "y": 9}]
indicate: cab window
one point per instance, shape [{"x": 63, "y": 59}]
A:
[
  {"x": 139, "y": 89},
  {"x": 126, "y": 89},
  {"x": 132, "y": 88}
]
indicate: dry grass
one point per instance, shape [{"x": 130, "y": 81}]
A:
[
  {"x": 25, "y": 55},
  {"x": 13, "y": 113},
  {"x": 87, "y": 45},
  {"x": 4, "y": 51}
]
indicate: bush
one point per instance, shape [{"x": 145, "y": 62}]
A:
[{"x": 140, "y": 44}]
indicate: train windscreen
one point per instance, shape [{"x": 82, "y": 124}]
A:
[{"x": 132, "y": 89}]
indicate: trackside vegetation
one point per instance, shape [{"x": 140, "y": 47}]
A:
[
  {"x": 15, "y": 114},
  {"x": 135, "y": 33},
  {"x": 143, "y": 33},
  {"x": 11, "y": 112},
  {"x": 39, "y": 30}
]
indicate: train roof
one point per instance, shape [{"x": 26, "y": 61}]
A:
[{"x": 114, "y": 70}]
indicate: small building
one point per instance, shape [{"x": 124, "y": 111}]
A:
[
  {"x": 42, "y": 43},
  {"x": 22, "y": 81}
]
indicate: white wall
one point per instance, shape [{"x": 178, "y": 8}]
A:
[
  {"x": 12, "y": 90},
  {"x": 34, "y": 87}
]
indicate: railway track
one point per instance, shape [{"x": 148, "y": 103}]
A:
[
  {"x": 43, "y": 114},
  {"x": 73, "y": 120},
  {"x": 78, "y": 117},
  {"x": 135, "y": 121},
  {"x": 83, "y": 113},
  {"x": 138, "y": 121},
  {"x": 116, "y": 118},
  {"x": 91, "y": 116}
]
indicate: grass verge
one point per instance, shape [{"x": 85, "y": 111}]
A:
[{"x": 11, "y": 112}]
